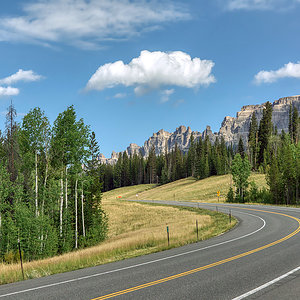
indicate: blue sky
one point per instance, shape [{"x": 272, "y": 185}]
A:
[{"x": 133, "y": 67}]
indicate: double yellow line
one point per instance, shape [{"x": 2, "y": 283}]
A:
[{"x": 152, "y": 283}]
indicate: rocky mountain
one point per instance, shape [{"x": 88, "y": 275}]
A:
[{"x": 232, "y": 128}]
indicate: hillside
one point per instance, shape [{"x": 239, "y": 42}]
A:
[{"x": 187, "y": 189}]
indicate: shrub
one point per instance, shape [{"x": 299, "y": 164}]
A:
[{"x": 230, "y": 195}]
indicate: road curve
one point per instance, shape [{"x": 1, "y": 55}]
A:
[{"x": 264, "y": 246}]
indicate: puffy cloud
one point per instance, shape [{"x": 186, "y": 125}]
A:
[
  {"x": 21, "y": 75},
  {"x": 288, "y": 70},
  {"x": 153, "y": 70},
  {"x": 8, "y": 91},
  {"x": 166, "y": 95},
  {"x": 84, "y": 23},
  {"x": 260, "y": 4}
]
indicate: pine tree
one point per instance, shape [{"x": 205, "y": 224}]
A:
[
  {"x": 224, "y": 157},
  {"x": 12, "y": 146},
  {"x": 264, "y": 132},
  {"x": 125, "y": 179},
  {"x": 117, "y": 176},
  {"x": 151, "y": 166},
  {"x": 199, "y": 158},
  {"x": 295, "y": 126},
  {"x": 191, "y": 157},
  {"x": 253, "y": 140},
  {"x": 291, "y": 122},
  {"x": 241, "y": 149}
]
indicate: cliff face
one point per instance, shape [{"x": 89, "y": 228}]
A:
[
  {"x": 231, "y": 130},
  {"x": 234, "y": 128}
]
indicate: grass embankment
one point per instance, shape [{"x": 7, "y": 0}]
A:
[
  {"x": 190, "y": 189},
  {"x": 134, "y": 229},
  {"x": 127, "y": 192}
]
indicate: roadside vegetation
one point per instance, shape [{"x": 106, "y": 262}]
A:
[
  {"x": 134, "y": 229},
  {"x": 277, "y": 155},
  {"x": 49, "y": 203}
]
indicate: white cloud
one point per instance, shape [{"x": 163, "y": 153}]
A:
[
  {"x": 153, "y": 70},
  {"x": 21, "y": 75},
  {"x": 8, "y": 91},
  {"x": 260, "y": 4},
  {"x": 288, "y": 70},
  {"x": 120, "y": 95},
  {"x": 166, "y": 95},
  {"x": 85, "y": 23}
]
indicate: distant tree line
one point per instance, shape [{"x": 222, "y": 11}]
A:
[
  {"x": 202, "y": 160},
  {"x": 50, "y": 192}
]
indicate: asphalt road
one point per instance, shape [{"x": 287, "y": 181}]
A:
[{"x": 264, "y": 246}]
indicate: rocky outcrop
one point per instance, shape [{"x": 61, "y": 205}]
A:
[
  {"x": 133, "y": 148},
  {"x": 232, "y": 128},
  {"x": 109, "y": 161}
]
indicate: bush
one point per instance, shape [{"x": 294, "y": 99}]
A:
[
  {"x": 264, "y": 196},
  {"x": 9, "y": 257},
  {"x": 253, "y": 195},
  {"x": 230, "y": 195}
]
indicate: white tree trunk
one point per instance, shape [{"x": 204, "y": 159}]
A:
[
  {"x": 61, "y": 204},
  {"x": 45, "y": 183},
  {"x": 76, "y": 216},
  {"x": 36, "y": 186},
  {"x": 66, "y": 188},
  {"x": 82, "y": 211}
]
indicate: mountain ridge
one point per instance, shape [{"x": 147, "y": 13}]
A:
[{"x": 232, "y": 128}]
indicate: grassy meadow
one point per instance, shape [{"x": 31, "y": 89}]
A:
[
  {"x": 134, "y": 229},
  {"x": 187, "y": 189}
]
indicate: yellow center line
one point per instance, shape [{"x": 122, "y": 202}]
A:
[{"x": 159, "y": 281}]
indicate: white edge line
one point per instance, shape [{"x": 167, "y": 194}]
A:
[
  {"x": 266, "y": 284},
  {"x": 141, "y": 264}
]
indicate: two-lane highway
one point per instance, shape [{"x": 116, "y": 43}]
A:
[{"x": 264, "y": 246}]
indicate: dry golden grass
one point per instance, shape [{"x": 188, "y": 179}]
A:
[
  {"x": 128, "y": 192},
  {"x": 135, "y": 229},
  {"x": 148, "y": 220},
  {"x": 190, "y": 189}
]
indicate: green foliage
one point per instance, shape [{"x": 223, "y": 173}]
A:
[
  {"x": 240, "y": 170},
  {"x": 253, "y": 140},
  {"x": 202, "y": 160},
  {"x": 241, "y": 149},
  {"x": 230, "y": 195},
  {"x": 48, "y": 200},
  {"x": 253, "y": 195},
  {"x": 264, "y": 133}
]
